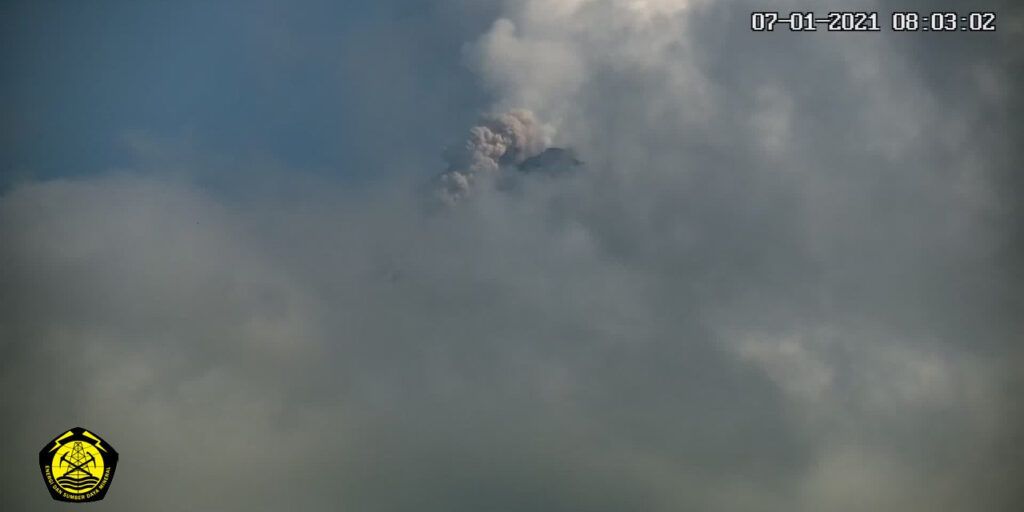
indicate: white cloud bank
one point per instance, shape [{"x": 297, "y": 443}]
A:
[{"x": 785, "y": 282}]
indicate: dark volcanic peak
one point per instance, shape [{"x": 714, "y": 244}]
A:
[{"x": 551, "y": 161}]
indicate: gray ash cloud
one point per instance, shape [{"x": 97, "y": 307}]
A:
[
  {"x": 497, "y": 149},
  {"x": 498, "y": 141}
]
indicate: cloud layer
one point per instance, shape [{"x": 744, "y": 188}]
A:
[{"x": 789, "y": 278}]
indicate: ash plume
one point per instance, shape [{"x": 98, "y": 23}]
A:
[{"x": 498, "y": 140}]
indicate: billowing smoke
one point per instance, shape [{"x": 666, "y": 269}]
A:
[
  {"x": 498, "y": 140},
  {"x": 788, "y": 281}
]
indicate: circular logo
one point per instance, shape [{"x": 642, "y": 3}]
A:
[{"x": 78, "y": 466}]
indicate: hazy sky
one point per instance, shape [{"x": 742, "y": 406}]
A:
[{"x": 788, "y": 276}]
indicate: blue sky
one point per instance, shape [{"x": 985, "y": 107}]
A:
[{"x": 311, "y": 87}]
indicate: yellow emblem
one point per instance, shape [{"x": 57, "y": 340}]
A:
[{"x": 78, "y": 466}]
